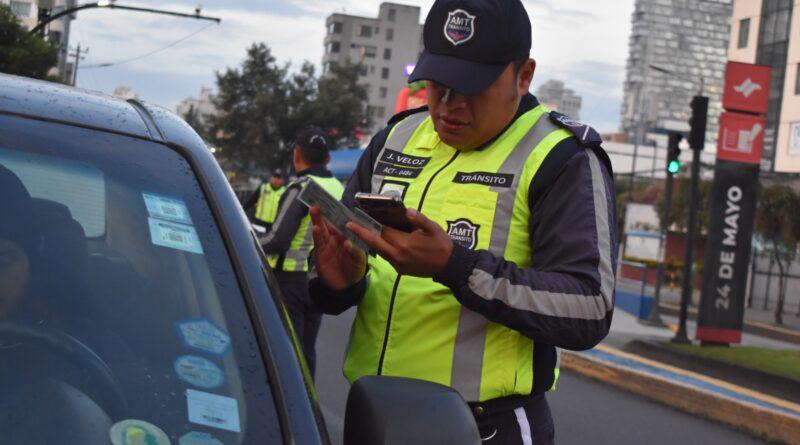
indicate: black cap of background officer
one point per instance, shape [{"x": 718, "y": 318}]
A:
[
  {"x": 469, "y": 43},
  {"x": 314, "y": 145}
]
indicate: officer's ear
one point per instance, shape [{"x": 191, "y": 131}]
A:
[{"x": 525, "y": 76}]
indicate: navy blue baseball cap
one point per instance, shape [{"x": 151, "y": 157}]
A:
[
  {"x": 313, "y": 138},
  {"x": 469, "y": 43}
]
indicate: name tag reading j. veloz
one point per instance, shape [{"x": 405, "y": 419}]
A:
[{"x": 338, "y": 214}]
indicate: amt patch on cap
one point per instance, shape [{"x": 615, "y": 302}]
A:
[{"x": 459, "y": 27}]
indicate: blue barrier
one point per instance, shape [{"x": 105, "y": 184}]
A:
[{"x": 636, "y": 304}]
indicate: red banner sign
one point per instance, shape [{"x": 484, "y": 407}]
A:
[
  {"x": 746, "y": 87},
  {"x": 741, "y": 137}
]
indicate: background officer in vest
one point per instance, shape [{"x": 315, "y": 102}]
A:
[
  {"x": 514, "y": 249},
  {"x": 290, "y": 241},
  {"x": 266, "y": 199}
]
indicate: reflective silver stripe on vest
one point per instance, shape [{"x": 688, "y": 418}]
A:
[
  {"x": 557, "y": 304},
  {"x": 300, "y": 255},
  {"x": 287, "y": 202},
  {"x": 397, "y": 141},
  {"x": 472, "y": 328}
]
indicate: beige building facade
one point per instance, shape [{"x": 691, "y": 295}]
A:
[{"x": 767, "y": 32}]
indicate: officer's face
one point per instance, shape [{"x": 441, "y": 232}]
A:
[
  {"x": 14, "y": 275},
  {"x": 467, "y": 122},
  {"x": 276, "y": 181}
]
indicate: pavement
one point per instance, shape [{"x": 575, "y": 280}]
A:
[{"x": 587, "y": 406}]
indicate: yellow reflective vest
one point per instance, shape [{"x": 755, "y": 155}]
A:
[
  {"x": 268, "y": 201},
  {"x": 296, "y": 258},
  {"x": 414, "y": 327}
]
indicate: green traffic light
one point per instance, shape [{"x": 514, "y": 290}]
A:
[{"x": 674, "y": 167}]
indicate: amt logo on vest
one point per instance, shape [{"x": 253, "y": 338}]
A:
[{"x": 463, "y": 232}]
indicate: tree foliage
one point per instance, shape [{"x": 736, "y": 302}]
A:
[
  {"x": 778, "y": 222},
  {"x": 261, "y": 106},
  {"x": 21, "y": 53}
]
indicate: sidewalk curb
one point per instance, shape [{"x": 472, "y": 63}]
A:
[
  {"x": 763, "y": 422},
  {"x": 751, "y": 327}
]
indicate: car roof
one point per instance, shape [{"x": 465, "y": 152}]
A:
[{"x": 74, "y": 106}]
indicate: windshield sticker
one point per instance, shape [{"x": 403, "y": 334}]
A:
[
  {"x": 197, "y": 438},
  {"x": 213, "y": 410},
  {"x": 137, "y": 432},
  {"x": 174, "y": 236},
  {"x": 199, "y": 372},
  {"x": 205, "y": 336},
  {"x": 170, "y": 209}
]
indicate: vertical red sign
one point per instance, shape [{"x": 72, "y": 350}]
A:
[
  {"x": 741, "y": 137},
  {"x": 746, "y": 87}
]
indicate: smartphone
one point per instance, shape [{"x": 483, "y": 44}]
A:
[{"x": 388, "y": 210}]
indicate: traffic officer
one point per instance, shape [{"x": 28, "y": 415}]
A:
[
  {"x": 265, "y": 200},
  {"x": 514, "y": 249},
  {"x": 289, "y": 242}
]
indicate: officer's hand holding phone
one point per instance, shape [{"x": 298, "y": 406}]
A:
[
  {"x": 423, "y": 252},
  {"x": 339, "y": 263}
]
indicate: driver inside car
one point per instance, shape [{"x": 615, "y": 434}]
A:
[
  {"x": 18, "y": 242},
  {"x": 30, "y": 371}
]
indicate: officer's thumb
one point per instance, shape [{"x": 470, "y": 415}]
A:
[{"x": 421, "y": 221}]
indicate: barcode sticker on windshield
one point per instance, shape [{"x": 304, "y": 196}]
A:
[
  {"x": 213, "y": 410},
  {"x": 163, "y": 207},
  {"x": 174, "y": 236}
]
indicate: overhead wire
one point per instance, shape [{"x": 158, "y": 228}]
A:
[{"x": 142, "y": 56}]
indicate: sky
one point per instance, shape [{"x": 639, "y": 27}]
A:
[{"x": 583, "y": 43}]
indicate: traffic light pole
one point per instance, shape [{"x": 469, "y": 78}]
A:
[
  {"x": 688, "y": 262},
  {"x": 654, "y": 317},
  {"x": 696, "y": 142}
]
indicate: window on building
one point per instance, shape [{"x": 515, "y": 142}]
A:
[
  {"x": 384, "y": 73},
  {"x": 334, "y": 47},
  {"x": 364, "y": 31},
  {"x": 335, "y": 28},
  {"x": 797, "y": 81},
  {"x": 380, "y": 112},
  {"x": 384, "y": 91},
  {"x": 372, "y": 69},
  {"x": 744, "y": 32},
  {"x": 387, "y": 54},
  {"x": 392, "y": 15},
  {"x": 363, "y": 70},
  {"x": 389, "y": 35},
  {"x": 21, "y": 9},
  {"x": 370, "y": 51}
]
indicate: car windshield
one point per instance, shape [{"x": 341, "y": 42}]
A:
[{"x": 121, "y": 318}]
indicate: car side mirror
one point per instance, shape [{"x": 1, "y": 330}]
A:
[{"x": 399, "y": 411}]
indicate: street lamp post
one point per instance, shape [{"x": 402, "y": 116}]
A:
[{"x": 45, "y": 19}]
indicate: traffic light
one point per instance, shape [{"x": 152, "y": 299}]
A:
[
  {"x": 698, "y": 121},
  {"x": 673, "y": 153}
]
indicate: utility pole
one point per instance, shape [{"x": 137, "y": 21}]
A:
[
  {"x": 78, "y": 57},
  {"x": 697, "y": 139}
]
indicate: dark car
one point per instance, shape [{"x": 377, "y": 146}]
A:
[{"x": 135, "y": 305}]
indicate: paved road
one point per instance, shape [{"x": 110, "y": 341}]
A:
[{"x": 585, "y": 411}]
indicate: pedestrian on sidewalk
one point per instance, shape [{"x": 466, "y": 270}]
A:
[
  {"x": 514, "y": 248},
  {"x": 289, "y": 242},
  {"x": 265, "y": 199}
]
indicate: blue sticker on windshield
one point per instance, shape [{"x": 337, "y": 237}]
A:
[
  {"x": 163, "y": 207},
  {"x": 205, "y": 336},
  {"x": 174, "y": 236},
  {"x": 199, "y": 372},
  {"x": 198, "y": 438}
]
